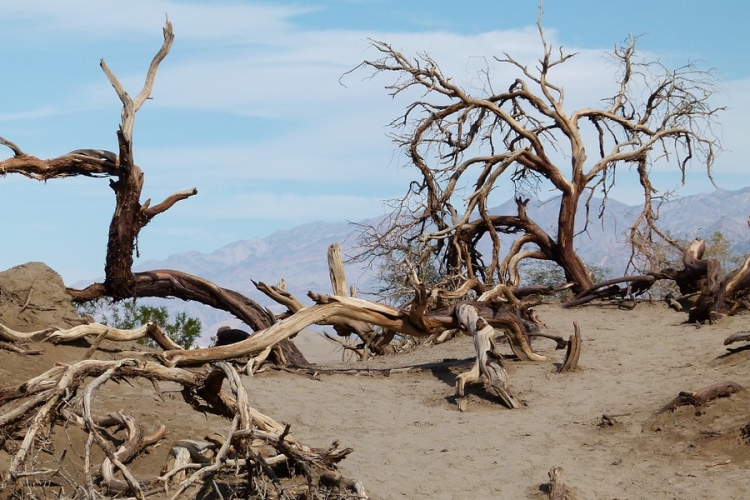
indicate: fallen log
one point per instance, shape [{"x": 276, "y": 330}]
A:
[{"x": 702, "y": 397}]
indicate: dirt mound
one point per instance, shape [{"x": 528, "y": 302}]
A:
[{"x": 32, "y": 297}]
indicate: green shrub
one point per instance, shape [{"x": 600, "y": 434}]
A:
[{"x": 128, "y": 315}]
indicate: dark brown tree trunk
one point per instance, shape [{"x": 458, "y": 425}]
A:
[{"x": 566, "y": 256}]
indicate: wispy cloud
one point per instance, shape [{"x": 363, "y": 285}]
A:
[{"x": 208, "y": 22}]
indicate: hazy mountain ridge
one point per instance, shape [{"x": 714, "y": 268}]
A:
[{"x": 299, "y": 255}]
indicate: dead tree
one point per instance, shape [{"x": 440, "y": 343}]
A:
[
  {"x": 461, "y": 139},
  {"x": 131, "y": 216},
  {"x": 705, "y": 292}
]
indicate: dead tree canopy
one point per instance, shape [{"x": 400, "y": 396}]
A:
[
  {"x": 131, "y": 215},
  {"x": 463, "y": 141}
]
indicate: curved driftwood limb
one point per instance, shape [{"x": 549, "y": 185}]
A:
[
  {"x": 11, "y": 335},
  {"x": 381, "y": 315},
  {"x": 502, "y": 291},
  {"x": 488, "y": 363},
  {"x": 256, "y": 343},
  {"x": 150, "y": 330},
  {"x": 170, "y": 283},
  {"x": 703, "y": 396},
  {"x": 737, "y": 337},
  {"x": 134, "y": 443},
  {"x": 132, "y": 484},
  {"x": 343, "y": 484},
  {"x": 738, "y": 278},
  {"x": 570, "y": 362},
  {"x": 515, "y": 332},
  {"x": 560, "y": 343}
]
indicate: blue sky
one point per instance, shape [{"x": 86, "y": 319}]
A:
[{"x": 248, "y": 106}]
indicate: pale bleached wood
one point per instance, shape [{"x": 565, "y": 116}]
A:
[
  {"x": 131, "y": 106},
  {"x": 15, "y": 336},
  {"x": 737, "y": 337},
  {"x": 288, "y": 327},
  {"x": 518, "y": 342},
  {"x": 150, "y": 330},
  {"x": 279, "y": 294},
  {"x": 487, "y": 362},
  {"x": 336, "y": 269}
]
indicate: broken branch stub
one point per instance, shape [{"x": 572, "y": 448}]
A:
[{"x": 573, "y": 351}]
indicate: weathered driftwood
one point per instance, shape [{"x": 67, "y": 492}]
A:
[
  {"x": 703, "y": 396},
  {"x": 706, "y": 293},
  {"x": 30, "y": 410},
  {"x": 133, "y": 444},
  {"x": 336, "y": 269},
  {"x": 19, "y": 349},
  {"x": 573, "y": 352},
  {"x": 737, "y": 337},
  {"x": 11, "y": 335},
  {"x": 419, "y": 324},
  {"x": 150, "y": 330},
  {"x": 488, "y": 364},
  {"x": 373, "y": 341},
  {"x": 556, "y": 488},
  {"x": 633, "y": 287}
]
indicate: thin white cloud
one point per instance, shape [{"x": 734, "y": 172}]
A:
[{"x": 192, "y": 20}]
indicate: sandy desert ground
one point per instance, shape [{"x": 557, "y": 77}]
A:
[
  {"x": 411, "y": 442},
  {"x": 601, "y": 424}
]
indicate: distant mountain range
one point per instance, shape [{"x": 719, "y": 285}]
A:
[{"x": 299, "y": 255}]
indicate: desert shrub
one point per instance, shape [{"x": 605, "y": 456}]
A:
[
  {"x": 128, "y": 314},
  {"x": 545, "y": 272}
]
